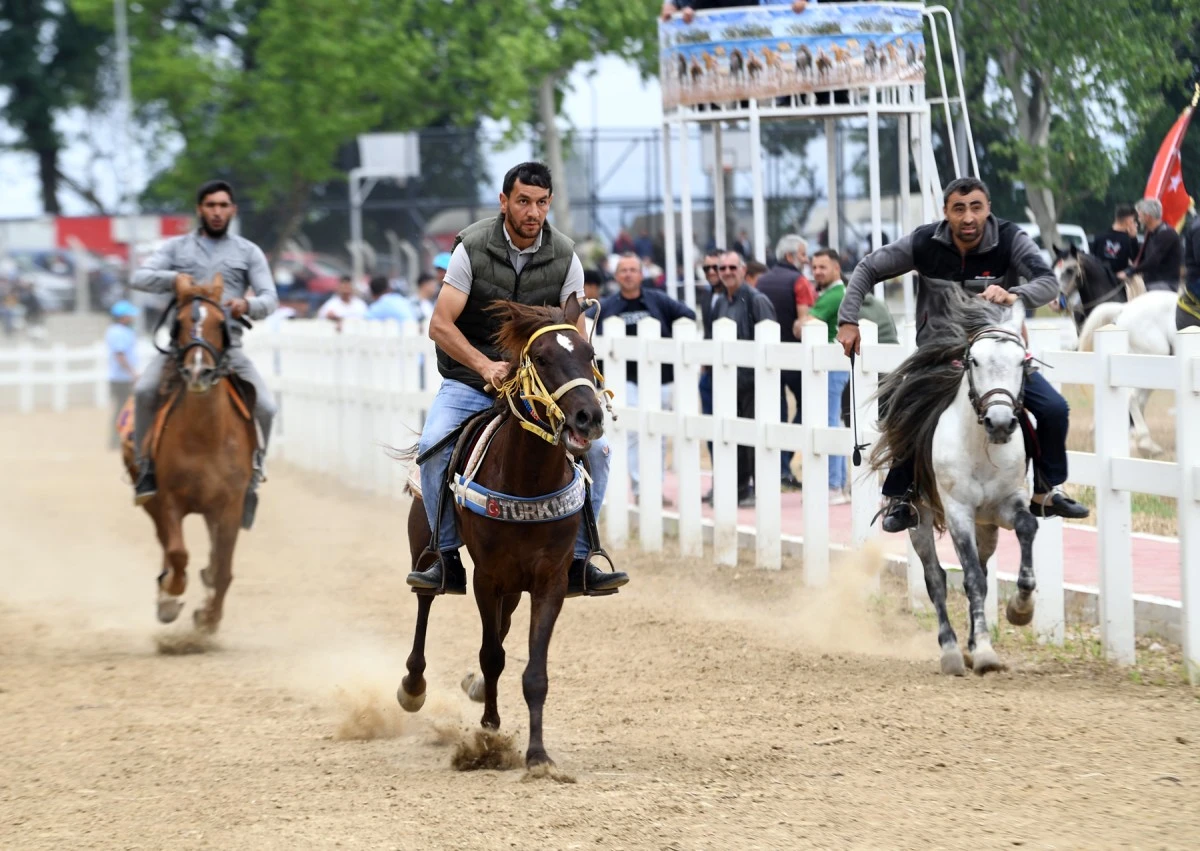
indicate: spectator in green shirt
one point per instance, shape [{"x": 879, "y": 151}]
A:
[{"x": 827, "y": 277}]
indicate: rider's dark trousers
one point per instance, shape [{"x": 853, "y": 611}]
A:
[{"x": 1050, "y": 410}]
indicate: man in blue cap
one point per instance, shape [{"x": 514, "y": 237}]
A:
[
  {"x": 440, "y": 264},
  {"x": 121, "y": 341}
]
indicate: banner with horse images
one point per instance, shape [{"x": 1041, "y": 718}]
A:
[{"x": 771, "y": 51}]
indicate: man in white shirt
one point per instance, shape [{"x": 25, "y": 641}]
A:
[{"x": 343, "y": 304}]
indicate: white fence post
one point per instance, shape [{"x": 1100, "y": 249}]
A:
[
  {"x": 60, "y": 387},
  {"x": 686, "y": 446},
  {"x": 98, "y": 359},
  {"x": 864, "y": 488},
  {"x": 768, "y": 513},
  {"x": 725, "y": 492},
  {"x": 1112, "y": 506},
  {"x": 616, "y": 502},
  {"x": 26, "y": 378},
  {"x": 815, "y": 474},
  {"x": 650, "y": 438},
  {"x": 1049, "y": 615},
  {"x": 1187, "y": 414}
]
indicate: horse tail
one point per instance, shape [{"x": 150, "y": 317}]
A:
[{"x": 1103, "y": 314}]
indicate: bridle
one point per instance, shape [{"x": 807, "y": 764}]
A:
[
  {"x": 179, "y": 353},
  {"x": 997, "y": 395},
  {"x": 1080, "y": 275},
  {"x": 526, "y": 387}
]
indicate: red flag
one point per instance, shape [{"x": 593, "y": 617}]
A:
[{"x": 1166, "y": 177}]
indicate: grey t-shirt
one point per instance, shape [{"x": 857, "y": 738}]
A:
[{"x": 460, "y": 276}]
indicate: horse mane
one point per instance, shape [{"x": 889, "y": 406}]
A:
[
  {"x": 923, "y": 388},
  {"x": 519, "y": 322}
]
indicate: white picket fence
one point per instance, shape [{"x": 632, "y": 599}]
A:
[
  {"x": 56, "y": 377},
  {"x": 346, "y": 397}
]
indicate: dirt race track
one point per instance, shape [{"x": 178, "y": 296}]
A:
[{"x": 698, "y": 709}]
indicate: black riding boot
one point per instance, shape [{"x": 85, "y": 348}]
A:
[
  {"x": 446, "y": 576},
  {"x": 146, "y": 486},
  {"x": 900, "y": 514},
  {"x": 599, "y": 582}
]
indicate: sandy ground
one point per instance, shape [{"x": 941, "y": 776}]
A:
[{"x": 698, "y": 709}]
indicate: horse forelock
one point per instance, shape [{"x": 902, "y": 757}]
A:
[{"x": 519, "y": 322}]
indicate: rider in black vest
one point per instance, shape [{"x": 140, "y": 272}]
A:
[
  {"x": 990, "y": 258},
  {"x": 515, "y": 256}
]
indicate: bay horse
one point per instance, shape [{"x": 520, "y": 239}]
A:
[
  {"x": 549, "y": 413},
  {"x": 203, "y": 444},
  {"x": 954, "y": 408}
]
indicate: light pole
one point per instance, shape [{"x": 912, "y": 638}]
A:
[{"x": 126, "y": 190}]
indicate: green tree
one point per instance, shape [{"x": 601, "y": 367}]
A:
[
  {"x": 1070, "y": 73},
  {"x": 49, "y": 62},
  {"x": 554, "y": 36}
]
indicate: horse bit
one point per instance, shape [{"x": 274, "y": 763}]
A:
[{"x": 997, "y": 395}]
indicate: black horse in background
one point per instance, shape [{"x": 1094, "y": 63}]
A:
[{"x": 1084, "y": 283}]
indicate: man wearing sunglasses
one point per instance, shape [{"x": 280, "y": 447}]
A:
[{"x": 747, "y": 307}]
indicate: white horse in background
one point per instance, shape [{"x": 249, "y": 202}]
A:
[{"x": 1150, "y": 321}]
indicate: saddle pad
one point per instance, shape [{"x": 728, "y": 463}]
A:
[{"x": 125, "y": 423}]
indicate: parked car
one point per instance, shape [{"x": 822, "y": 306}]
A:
[{"x": 52, "y": 280}]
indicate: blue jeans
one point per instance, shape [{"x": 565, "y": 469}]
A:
[
  {"x": 788, "y": 381},
  {"x": 837, "y": 463},
  {"x": 706, "y": 402},
  {"x": 454, "y": 403}
]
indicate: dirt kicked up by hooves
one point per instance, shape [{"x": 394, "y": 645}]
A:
[
  {"x": 185, "y": 643},
  {"x": 486, "y": 749}
]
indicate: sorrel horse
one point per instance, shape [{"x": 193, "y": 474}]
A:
[
  {"x": 203, "y": 444},
  {"x": 549, "y": 412}
]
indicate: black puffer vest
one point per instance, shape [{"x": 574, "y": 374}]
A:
[{"x": 494, "y": 279}]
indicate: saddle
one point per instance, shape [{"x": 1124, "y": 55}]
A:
[
  {"x": 468, "y": 452},
  {"x": 240, "y": 393}
]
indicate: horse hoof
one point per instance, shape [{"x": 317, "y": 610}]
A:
[
  {"x": 169, "y": 608},
  {"x": 986, "y": 661},
  {"x": 203, "y": 621},
  {"x": 473, "y": 685},
  {"x": 968, "y": 659},
  {"x": 1016, "y": 616},
  {"x": 952, "y": 662},
  {"x": 410, "y": 702},
  {"x": 207, "y": 578}
]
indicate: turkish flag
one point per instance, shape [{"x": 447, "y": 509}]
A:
[{"x": 1166, "y": 177}]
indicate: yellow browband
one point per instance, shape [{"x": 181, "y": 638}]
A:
[{"x": 528, "y": 386}]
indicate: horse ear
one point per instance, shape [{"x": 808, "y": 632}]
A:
[
  {"x": 1074, "y": 250},
  {"x": 216, "y": 287},
  {"x": 1058, "y": 252},
  {"x": 571, "y": 310},
  {"x": 184, "y": 284},
  {"x": 1017, "y": 314}
]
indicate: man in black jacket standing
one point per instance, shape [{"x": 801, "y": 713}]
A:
[
  {"x": 1162, "y": 251},
  {"x": 631, "y": 304},
  {"x": 791, "y": 295},
  {"x": 1187, "y": 313},
  {"x": 747, "y": 307}
]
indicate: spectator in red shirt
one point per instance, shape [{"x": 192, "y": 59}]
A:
[{"x": 792, "y": 296}]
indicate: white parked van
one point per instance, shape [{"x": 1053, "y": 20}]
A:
[{"x": 1069, "y": 234}]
